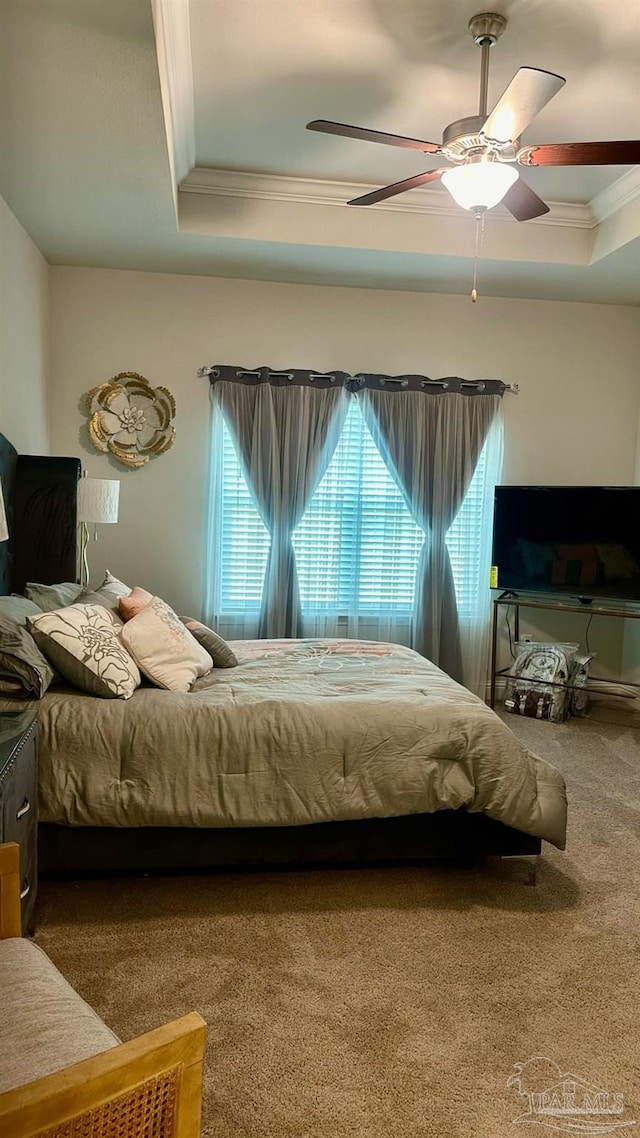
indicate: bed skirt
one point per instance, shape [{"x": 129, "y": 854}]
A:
[{"x": 447, "y": 834}]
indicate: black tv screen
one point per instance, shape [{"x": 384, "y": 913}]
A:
[{"x": 581, "y": 540}]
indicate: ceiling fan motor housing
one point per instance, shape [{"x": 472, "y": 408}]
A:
[{"x": 463, "y": 139}]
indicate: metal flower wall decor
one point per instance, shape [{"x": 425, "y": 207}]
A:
[{"x": 130, "y": 419}]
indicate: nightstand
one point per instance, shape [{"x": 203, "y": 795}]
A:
[{"x": 19, "y": 800}]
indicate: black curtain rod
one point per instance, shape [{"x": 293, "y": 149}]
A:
[{"x": 212, "y": 371}]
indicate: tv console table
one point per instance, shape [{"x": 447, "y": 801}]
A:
[{"x": 622, "y": 610}]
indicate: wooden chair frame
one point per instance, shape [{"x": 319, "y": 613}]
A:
[{"x": 152, "y": 1084}]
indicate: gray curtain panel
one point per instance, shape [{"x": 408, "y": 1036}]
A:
[
  {"x": 285, "y": 437},
  {"x": 431, "y": 443}
]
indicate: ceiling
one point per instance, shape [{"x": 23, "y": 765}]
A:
[{"x": 169, "y": 136}]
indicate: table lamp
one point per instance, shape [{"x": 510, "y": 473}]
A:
[{"x": 97, "y": 505}]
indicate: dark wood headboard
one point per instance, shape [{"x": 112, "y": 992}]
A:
[
  {"x": 40, "y": 496},
  {"x": 8, "y": 460}
]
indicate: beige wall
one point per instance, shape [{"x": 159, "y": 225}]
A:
[
  {"x": 574, "y": 421},
  {"x": 24, "y": 336}
]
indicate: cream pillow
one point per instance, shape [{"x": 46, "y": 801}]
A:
[
  {"x": 83, "y": 643},
  {"x": 163, "y": 648}
]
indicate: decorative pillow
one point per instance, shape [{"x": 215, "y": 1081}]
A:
[
  {"x": 163, "y": 648},
  {"x": 18, "y": 608},
  {"x": 108, "y": 594},
  {"x": 130, "y": 606},
  {"x": 112, "y": 585},
  {"x": 84, "y": 644},
  {"x": 97, "y": 597},
  {"x": 21, "y": 661},
  {"x": 222, "y": 655},
  {"x": 50, "y": 597}
]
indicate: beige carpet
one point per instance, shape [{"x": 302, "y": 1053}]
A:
[{"x": 387, "y": 1003}]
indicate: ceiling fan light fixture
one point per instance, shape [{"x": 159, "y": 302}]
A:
[{"x": 479, "y": 185}]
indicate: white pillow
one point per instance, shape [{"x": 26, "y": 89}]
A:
[
  {"x": 83, "y": 643},
  {"x": 163, "y": 648}
]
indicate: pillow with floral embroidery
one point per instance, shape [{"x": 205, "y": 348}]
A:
[
  {"x": 164, "y": 649},
  {"x": 83, "y": 642}
]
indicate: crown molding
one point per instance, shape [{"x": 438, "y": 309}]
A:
[
  {"x": 614, "y": 197},
  {"x": 317, "y": 191},
  {"x": 173, "y": 49}
]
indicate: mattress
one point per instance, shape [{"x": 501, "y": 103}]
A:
[{"x": 302, "y": 731}]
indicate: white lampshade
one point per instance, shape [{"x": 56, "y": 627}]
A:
[
  {"x": 4, "y": 529},
  {"x": 98, "y": 500},
  {"x": 479, "y": 185}
]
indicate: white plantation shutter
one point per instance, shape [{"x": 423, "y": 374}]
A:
[
  {"x": 464, "y": 541},
  {"x": 243, "y": 540},
  {"x": 357, "y": 546}
]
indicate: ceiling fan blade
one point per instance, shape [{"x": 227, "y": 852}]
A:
[
  {"x": 528, "y": 92},
  {"x": 397, "y": 188},
  {"x": 361, "y": 132},
  {"x": 523, "y": 202},
  {"x": 625, "y": 153}
]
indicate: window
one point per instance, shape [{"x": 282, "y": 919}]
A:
[
  {"x": 244, "y": 539},
  {"x": 357, "y": 547},
  {"x": 464, "y": 541}
]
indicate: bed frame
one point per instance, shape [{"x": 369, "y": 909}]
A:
[
  {"x": 455, "y": 835},
  {"x": 41, "y": 497}
]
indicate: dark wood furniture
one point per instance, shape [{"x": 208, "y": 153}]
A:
[
  {"x": 19, "y": 800},
  {"x": 40, "y": 495},
  {"x": 620, "y": 610}
]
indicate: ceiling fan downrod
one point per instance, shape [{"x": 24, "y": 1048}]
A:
[{"x": 486, "y": 29}]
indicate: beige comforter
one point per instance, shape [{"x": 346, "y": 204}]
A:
[{"x": 301, "y": 731}]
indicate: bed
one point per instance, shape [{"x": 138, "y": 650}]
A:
[{"x": 308, "y": 751}]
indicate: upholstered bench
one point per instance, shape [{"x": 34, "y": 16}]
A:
[{"x": 63, "y": 1072}]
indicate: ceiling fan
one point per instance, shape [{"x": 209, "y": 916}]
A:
[{"x": 483, "y": 149}]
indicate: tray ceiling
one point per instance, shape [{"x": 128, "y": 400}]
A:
[{"x": 170, "y": 136}]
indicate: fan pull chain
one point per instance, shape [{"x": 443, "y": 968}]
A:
[{"x": 477, "y": 252}]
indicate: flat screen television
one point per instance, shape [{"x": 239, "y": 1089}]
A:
[{"x": 577, "y": 540}]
